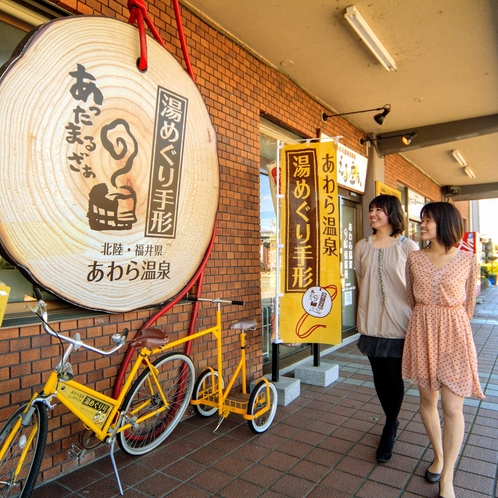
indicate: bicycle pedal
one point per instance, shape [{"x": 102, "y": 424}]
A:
[{"x": 76, "y": 453}]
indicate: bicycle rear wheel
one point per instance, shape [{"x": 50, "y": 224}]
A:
[
  {"x": 22, "y": 447},
  {"x": 258, "y": 400},
  {"x": 175, "y": 373}
]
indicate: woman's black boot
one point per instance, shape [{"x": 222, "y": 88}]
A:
[{"x": 385, "y": 449}]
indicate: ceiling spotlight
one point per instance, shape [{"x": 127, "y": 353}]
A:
[
  {"x": 364, "y": 31},
  {"x": 469, "y": 172},
  {"x": 459, "y": 158},
  {"x": 406, "y": 138},
  {"x": 379, "y": 118}
]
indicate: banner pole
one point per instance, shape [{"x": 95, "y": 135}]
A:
[{"x": 277, "y": 340}]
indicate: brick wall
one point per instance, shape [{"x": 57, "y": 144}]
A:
[
  {"x": 464, "y": 208},
  {"x": 237, "y": 88},
  {"x": 399, "y": 170}
]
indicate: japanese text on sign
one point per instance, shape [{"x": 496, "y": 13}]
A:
[
  {"x": 302, "y": 238},
  {"x": 83, "y": 88},
  {"x": 169, "y": 136},
  {"x": 310, "y": 196},
  {"x": 144, "y": 269}
]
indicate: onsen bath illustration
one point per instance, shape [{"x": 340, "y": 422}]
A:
[{"x": 112, "y": 206}]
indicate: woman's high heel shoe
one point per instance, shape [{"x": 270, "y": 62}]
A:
[{"x": 432, "y": 477}]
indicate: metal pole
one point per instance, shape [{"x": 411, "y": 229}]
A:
[
  {"x": 316, "y": 355},
  {"x": 275, "y": 362}
]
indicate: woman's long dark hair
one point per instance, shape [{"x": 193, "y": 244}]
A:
[
  {"x": 449, "y": 222},
  {"x": 391, "y": 205}
]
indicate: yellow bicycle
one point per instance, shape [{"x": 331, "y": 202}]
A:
[
  {"x": 142, "y": 417},
  {"x": 210, "y": 396},
  {"x": 151, "y": 402}
]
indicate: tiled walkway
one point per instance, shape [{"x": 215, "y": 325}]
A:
[{"x": 322, "y": 445}]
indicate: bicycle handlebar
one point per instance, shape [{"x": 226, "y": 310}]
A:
[
  {"x": 215, "y": 301},
  {"x": 38, "y": 294},
  {"x": 41, "y": 310}
]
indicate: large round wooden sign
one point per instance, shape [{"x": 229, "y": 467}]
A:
[{"x": 109, "y": 176}]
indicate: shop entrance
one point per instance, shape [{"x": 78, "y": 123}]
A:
[{"x": 350, "y": 230}]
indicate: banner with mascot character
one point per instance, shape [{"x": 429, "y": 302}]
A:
[{"x": 310, "y": 303}]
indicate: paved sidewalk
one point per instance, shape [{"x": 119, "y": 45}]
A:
[{"x": 322, "y": 445}]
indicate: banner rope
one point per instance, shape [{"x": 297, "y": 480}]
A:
[{"x": 139, "y": 14}]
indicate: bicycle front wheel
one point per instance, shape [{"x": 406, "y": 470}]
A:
[
  {"x": 22, "y": 447},
  {"x": 146, "y": 398},
  {"x": 206, "y": 385},
  {"x": 259, "y": 399}
]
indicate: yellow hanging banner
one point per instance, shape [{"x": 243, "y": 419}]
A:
[
  {"x": 4, "y": 298},
  {"x": 310, "y": 306}
]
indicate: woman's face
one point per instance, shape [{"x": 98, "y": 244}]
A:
[
  {"x": 428, "y": 228},
  {"x": 378, "y": 218}
]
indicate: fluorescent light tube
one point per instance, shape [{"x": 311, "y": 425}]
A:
[
  {"x": 364, "y": 31},
  {"x": 459, "y": 158},
  {"x": 469, "y": 172}
]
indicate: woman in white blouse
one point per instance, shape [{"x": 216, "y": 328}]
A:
[{"x": 383, "y": 310}]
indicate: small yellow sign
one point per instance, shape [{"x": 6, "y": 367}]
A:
[
  {"x": 91, "y": 408},
  {"x": 4, "y": 298},
  {"x": 381, "y": 188}
]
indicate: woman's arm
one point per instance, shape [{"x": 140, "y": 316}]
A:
[
  {"x": 357, "y": 256},
  {"x": 409, "y": 282},
  {"x": 471, "y": 289}
]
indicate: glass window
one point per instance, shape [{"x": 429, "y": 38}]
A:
[
  {"x": 16, "y": 21},
  {"x": 268, "y": 221},
  {"x": 413, "y": 226},
  {"x": 270, "y": 134},
  {"x": 349, "y": 233},
  {"x": 10, "y": 37},
  {"x": 414, "y": 232}
]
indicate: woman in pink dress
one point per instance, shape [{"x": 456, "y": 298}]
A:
[{"x": 439, "y": 353}]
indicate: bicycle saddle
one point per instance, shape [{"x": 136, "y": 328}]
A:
[
  {"x": 247, "y": 323},
  {"x": 150, "y": 338}
]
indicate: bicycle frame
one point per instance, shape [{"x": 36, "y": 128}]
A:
[
  {"x": 96, "y": 410},
  {"x": 105, "y": 416},
  {"x": 221, "y": 400},
  {"x": 241, "y": 369},
  {"x": 217, "y": 331}
]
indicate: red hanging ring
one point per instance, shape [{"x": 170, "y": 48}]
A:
[
  {"x": 183, "y": 41},
  {"x": 138, "y": 13}
]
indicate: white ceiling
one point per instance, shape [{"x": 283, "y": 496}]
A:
[{"x": 446, "y": 53}]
